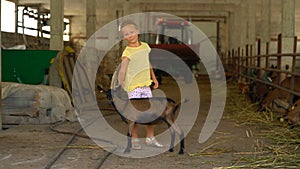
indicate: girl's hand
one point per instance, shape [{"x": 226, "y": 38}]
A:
[
  {"x": 122, "y": 85},
  {"x": 155, "y": 84}
]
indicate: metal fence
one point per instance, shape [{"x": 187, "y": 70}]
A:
[{"x": 243, "y": 62}]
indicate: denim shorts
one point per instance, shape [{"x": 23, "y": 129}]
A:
[{"x": 140, "y": 92}]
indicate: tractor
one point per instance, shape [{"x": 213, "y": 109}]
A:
[{"x": 174, "y": 39}]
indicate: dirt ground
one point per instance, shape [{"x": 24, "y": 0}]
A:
[{"x": 34, "y": 146}]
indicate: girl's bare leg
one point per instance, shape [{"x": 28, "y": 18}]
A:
[{"x": 150, "y": 130}]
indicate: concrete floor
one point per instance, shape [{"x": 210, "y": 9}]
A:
[{"x": 35, "y": 146}]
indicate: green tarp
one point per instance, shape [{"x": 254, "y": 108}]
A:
[{"x": 26, "y": 66}]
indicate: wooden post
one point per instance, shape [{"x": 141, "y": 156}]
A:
[
  {"x": 279, "y": 51},
  {"x": 267, "y": 54},
  {"x": 247, "y": 60},
  {"x": 238, "y": 56},
  {"x": 227, "y": 60},
  {"x": 258, "y": 58},
  {"x": 292, "y": 85},
  {"x": 232, "y": 60},
  {"x": 218, "y": 45},
  {"x": 251, "y": 55}
]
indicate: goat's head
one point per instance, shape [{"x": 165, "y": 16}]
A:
[
  {"x": 107, "y": 94},
  {"x": 293, "y": 114}
]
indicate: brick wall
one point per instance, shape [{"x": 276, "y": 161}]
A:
[{"x": 10, "y": 40}]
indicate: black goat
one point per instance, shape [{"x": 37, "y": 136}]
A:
[{"x": 146, "y": 111}]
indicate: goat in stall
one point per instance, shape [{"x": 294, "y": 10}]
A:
[
  {"x": 293, "y": 114},
  {"x": 281, "y": 94}
]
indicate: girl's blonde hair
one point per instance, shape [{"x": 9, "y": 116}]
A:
[{"x": 127, "y": 22}]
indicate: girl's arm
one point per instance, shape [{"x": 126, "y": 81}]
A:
[
  {"x": 122, "y": 71},
  {"x": 153, "y": 78}
]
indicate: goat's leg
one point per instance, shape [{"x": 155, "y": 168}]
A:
[
  {"x": 129, "y": 137},
  {"x": 181, "y": 137},
  {"x": 181, "y": 151},
  {"x": 127, "y": 150},
  {"x": 180, "y": 134},
  {"x": 172, "y": 132}
]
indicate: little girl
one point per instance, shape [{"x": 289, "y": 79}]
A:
[{"x": 136, "y": 75}]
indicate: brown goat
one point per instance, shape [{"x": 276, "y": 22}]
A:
[
  {"x": 293, "y": 114},
  {"x": 243, "y": 87},
  {"x": 281, "y": 94},
  {"x": 146, "y": 111},
  {"x": 259, "y": 90}
]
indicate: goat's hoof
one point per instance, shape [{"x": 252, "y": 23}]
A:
[
  {"x": 181, "y": 152},
  {"x": 171, "y": 150},
  {"x": 127, "y": 151}
]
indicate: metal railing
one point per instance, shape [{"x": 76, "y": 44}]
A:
[{"x": 243, "y": 62}]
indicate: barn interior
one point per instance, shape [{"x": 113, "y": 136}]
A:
[{"x": 237, "y": 62}]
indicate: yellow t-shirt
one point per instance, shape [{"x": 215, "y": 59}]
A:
[{"x": 138, "y": 70}]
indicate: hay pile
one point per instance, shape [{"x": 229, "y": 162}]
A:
[{"x": 281, "y": 150}]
